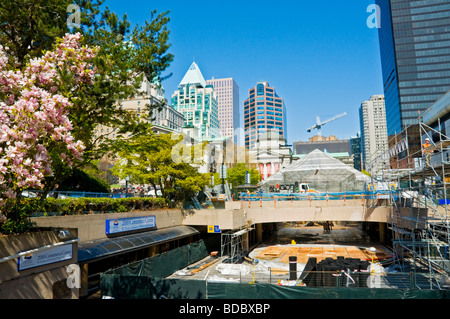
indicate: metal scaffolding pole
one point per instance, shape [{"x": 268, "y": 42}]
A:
[{"x": 421, "y": 185}]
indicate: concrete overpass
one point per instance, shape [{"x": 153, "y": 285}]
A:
[{"x": 238, "y": 214}]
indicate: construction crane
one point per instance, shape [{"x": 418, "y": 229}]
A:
[{"x": 319, "y": 124}]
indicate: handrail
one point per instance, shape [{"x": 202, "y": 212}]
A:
[
  {"x": 313, "y": 196},
  {"x": 77, "y": 194}
]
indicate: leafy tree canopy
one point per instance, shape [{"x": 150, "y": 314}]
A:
[{"x": 147, "y": 159}]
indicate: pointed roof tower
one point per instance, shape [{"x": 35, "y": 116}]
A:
[{"x": 193, "y": 76}]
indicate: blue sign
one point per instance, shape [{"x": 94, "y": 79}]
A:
[
  {"x": 128, "y": 224},
  {"x": 45, "y": 257},
  {"x": 214, "y": 229}
]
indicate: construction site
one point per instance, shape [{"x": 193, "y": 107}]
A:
[
  {"x": 417, "y": 163},
  {"x": 322, "y": 259},
  {"x": 283, "y": 257}
]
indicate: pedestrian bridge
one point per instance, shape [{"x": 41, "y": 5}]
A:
[{"x": 286, "y": 208}]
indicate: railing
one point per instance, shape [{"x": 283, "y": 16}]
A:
[
  {"x": 334, "y": 279},
  {"x": 365, "y": 198},
  {"x": 313, "y": 196},
  {"x": 74, "y": 194}
]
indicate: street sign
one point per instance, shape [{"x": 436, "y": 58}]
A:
[
  {"x": 214, "y": 229},
  {"x": 247, "y": 178}
]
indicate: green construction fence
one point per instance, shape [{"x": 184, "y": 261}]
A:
[{"x": 145, "y": 279}]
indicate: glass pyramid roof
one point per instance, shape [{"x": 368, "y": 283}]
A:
[
  {"x": 322, "y": 171},
  {"x": 193, "y": 76}
]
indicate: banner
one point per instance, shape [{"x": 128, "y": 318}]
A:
[
  {"x": 45, "y": 257},
  {"x": 128, "y": 224}
]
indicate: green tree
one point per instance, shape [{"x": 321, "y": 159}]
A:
[
  {"x": 236, "y": 175},
  {"x": 27, "y": 27},
  {"x": 147, "y": 159}
]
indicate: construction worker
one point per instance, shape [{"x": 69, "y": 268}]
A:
[{"x": 426, "y": 151}]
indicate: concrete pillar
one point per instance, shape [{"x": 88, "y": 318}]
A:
[
  {"x": 245, "y": 241},
  {"x": 259, "y": 233},
  {"x": 84, "y": 268},
  {"x": 382, "y": 232}
]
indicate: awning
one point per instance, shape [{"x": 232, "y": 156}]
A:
[{"x": 100, "y": 248}]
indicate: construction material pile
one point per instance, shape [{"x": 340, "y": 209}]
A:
[
  {"x": 322, "y": 252},
  {"x": 340, "y": 272}
]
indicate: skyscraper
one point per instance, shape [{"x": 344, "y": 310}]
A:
[
  {"x": 197, "y": 101},
  {"x": 374, "y": 138},
  {"x": 227, "y": 92},
  {"x": 263, "y": 110},
  {"x": 414, "y": 41}
]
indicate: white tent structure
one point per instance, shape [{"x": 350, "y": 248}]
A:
[{"x": 322, "y": 172}]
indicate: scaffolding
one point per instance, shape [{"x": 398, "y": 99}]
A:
[
  {"x": 234, "y": 244},
  {"x": 419, "y": 202}
]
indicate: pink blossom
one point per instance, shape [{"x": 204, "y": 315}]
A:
[{"x": 34, "y": 116}]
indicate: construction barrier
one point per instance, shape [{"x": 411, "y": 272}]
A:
[
  {"x": 266, "y": 291},
  {"x": 146, "y": 279}
]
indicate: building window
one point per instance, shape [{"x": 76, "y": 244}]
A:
[{"x": 260, "y": 89}]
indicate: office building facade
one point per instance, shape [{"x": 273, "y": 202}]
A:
[
  {"x": 227, "y": 92},
  {"x": 356, "y": 148},
  {"x": 414, "y": 41},
  {"x": 263, "y": 110},
  {"x": 329, "y": 144},
  {"x": 148, "y": 105},
  {"x": 374, "y": 138},
  {"x": 197, "y": 101}
]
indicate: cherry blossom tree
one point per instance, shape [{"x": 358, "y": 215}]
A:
[{"x": 35, "y": 130}]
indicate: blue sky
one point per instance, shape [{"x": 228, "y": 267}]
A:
[{"x": 320, "y": 55}]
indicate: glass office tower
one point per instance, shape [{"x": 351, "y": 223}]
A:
[
  {"x": 415, "y": 56},
  {"x": 264, "y": 110},
  {"x": 197, "y": 101}
]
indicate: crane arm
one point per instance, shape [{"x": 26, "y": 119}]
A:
[
  {"x": 312, "y": 128},
  {"x": 320, "y": 124},
  {"x": 334, "y": 118}
]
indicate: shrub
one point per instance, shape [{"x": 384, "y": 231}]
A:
[{"x": 18, "y": 214}]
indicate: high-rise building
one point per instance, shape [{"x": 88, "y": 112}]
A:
[
  {"x": 227, "y": 92},
  {"x": 414, "y": 41},
  {"x": 355, "y": 144},
  {"x": 197, "y": 101},
  {"x": 263, "y": 110},
  {"x": 374, "y": 138}
]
